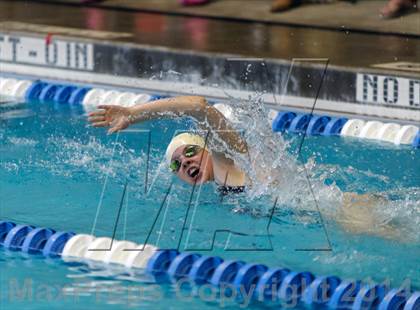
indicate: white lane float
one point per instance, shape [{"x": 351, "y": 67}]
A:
[
  {"x": 388, "y": 132},
  {"x": 370, "y": 130},
  {"x": 2, "y": 81},
  {"x": 140, "y": 257},
  {"x": 119, "y": 253},
  {"x": 7, "y": 87},
  {"x": 124, "y": 99},
  {"x": 105, "y": 250},
  {"x": 140, "y": 99},
  {"x": 406, "y": 134},
  {"x": 92, "y": 99},
  {"x": 97, "y": 97},
  {"x": 98, "y": 249},
  {"x": 76, "y": 247},
  {"x": 109, "y": 97},
  {"x": 20, "y": 88},
  {"x": 352, "y": 128},
  {"x": 14, "y": 88}
]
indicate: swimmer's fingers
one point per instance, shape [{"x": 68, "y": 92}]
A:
[
  {"x": 97, "y": 113},
  {"x": 101, "y": 124},
  {"x": 95, "y": 119}
]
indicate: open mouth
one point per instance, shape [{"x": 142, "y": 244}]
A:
[{"x": 193, "y": 172}]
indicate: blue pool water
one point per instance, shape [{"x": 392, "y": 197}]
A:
[{"x": 55, "y": 171}]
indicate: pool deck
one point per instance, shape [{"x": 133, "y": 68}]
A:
[
  {"x": 130, "y": 44},
  {"x": 342, "y": 15}
]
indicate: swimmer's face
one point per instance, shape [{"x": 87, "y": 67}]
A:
[{"x": 194, "y": 164}]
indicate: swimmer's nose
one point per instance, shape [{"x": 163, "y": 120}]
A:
[{"x": 186, "y": 163}]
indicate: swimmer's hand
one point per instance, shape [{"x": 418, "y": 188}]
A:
[{"x": 113, "y": 116}]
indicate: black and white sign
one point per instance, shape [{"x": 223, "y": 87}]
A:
[
  {"x": 47, "y": 51},
  {"x": 388, "y": 90}
]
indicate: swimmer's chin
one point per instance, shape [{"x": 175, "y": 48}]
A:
[{"x": 198, "y": 179}]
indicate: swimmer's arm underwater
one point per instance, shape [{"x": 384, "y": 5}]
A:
[{"x": 208, "y": 117}]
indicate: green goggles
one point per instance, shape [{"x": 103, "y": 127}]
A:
[{"x": 189, "y": 151}]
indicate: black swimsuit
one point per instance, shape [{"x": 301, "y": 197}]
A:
[{"x": 225, "y": 189}]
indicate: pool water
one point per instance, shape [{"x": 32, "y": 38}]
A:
[{"x": 56, "y": 171}]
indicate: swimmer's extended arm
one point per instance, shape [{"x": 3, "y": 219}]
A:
[
  {"x": 359, "y": 215},
  {"x": 209, "y": 118}
]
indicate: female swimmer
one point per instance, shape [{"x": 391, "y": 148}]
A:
[
  {"x": 191, "y": 159},
  {"x": 188, "y": 155}
]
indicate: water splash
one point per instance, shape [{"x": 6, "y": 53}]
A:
[{"x": 275, "y": 173}]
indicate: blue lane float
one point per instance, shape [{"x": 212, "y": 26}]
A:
[
  {"x": 16, "y": 237},
  {"x": 159, "y": 263},
  {"x": 294, "y": 284},
  {"x": 36, "y": 239},
  {"x": 320, "y": 290},
  {"x": 5, "y": 228},
  {"x": 369, "y": 297},
  {"x": 282, "y": 121},
  {"x": 416, "y": 141},
  {"x": 77, "y": 95},
  {"x": 300, "y": 123},
  {"x": 57, "y": 93},
  {"x": 48, "y": 92},
  {"x": 413, "y": 303},
  {"x": 248, "y": 276},
  {"x": 181, "y": 265},
  {"x": 394, "y": 299},
  {"x": 203, "y": 269},
  {"x": 63, "y": 94},
  {"x": 55, "y": 244},
  {"x": 30, "y": 240},
  {"x": 271, "y": 278},
  {"x": 278, "y": 285},
  {"x": 226, "y": 272},
  {"x": 35, "y": 90},
  {"x": 334, "y": 126},
  {"x": 344, "y": 295},
  {"x": 311, "y": 124},
  {"x": 317, "y": 124}
]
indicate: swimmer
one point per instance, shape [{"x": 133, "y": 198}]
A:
[
  {"x": 191, "y": 159},
  {"x": 188, "y": 155}
]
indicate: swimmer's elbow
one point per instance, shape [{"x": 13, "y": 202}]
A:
[
  {"x": 199, "y": 108},
  {"x": 201, "y": 103},
  {"x": 196, "y": 102}
]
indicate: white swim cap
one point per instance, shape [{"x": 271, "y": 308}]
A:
[{"x": 183, "y": 139}]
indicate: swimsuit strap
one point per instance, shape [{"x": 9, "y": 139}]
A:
[{"x": 225, "y": 189}]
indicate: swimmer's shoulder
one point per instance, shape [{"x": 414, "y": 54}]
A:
[{"x": 226, "y": 173}]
